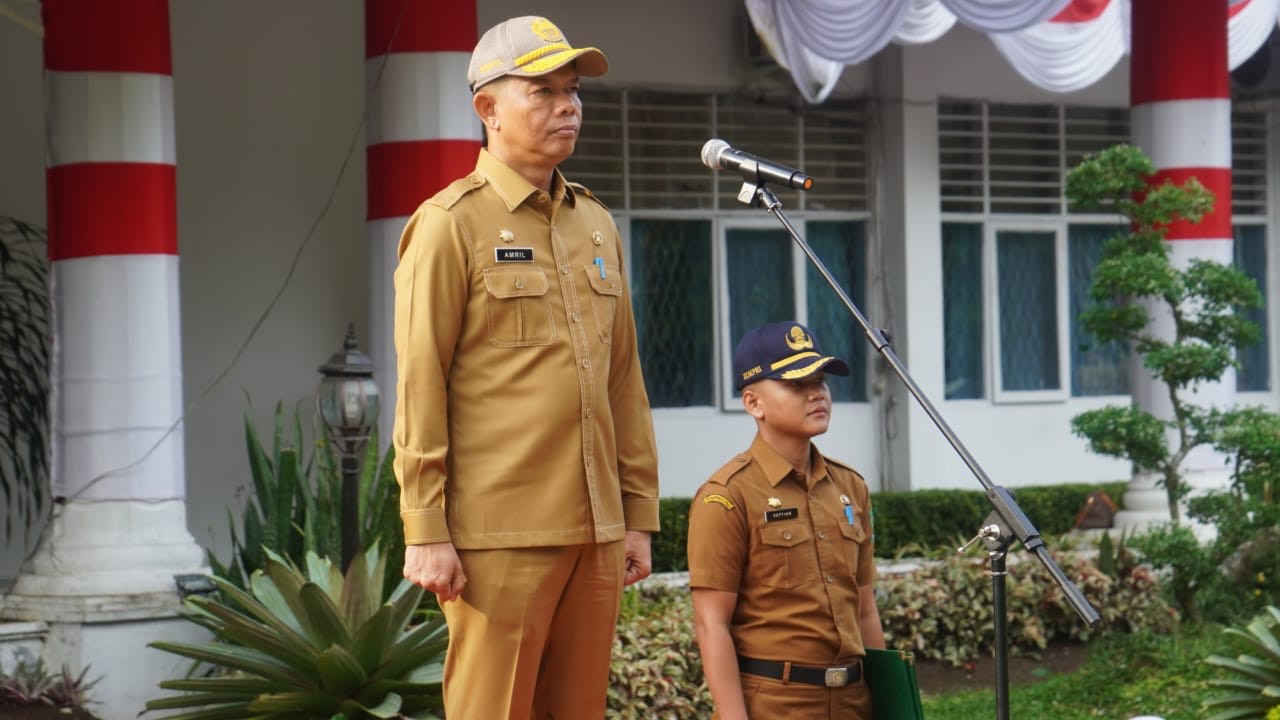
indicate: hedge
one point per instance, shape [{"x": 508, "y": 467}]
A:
[{"x": 910, "y": 522}]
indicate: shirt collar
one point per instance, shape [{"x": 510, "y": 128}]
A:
[
  {"x": 513, "y": 188},
  {"x": 776, "y": 468}
]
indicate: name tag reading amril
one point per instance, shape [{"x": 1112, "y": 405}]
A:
[{"x": 513, "y": 254}]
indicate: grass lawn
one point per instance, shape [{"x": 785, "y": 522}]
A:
[{"x": 1125, "y": 676}]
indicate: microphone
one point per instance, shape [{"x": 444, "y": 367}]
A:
[{"x": 718, "y": 155}]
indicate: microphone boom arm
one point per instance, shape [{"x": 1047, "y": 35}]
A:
[{"x": 1012, "y": 522}]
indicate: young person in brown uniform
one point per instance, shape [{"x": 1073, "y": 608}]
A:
[
  {"x": 523, "y": 437},
  {"x": 780, "y": 553}
]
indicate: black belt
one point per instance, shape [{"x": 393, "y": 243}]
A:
[{"x": 832, "y": 677}]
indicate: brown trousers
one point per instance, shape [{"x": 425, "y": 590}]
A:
[
  {"x": 769, "y": 699},
  {"x": 531, "y": 636}
]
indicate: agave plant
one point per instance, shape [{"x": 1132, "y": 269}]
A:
[
  {"x": 313, "y": 645},
  {"x": 1255, "y": 689}
]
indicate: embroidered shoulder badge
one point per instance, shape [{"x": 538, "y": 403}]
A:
[{"x": 722, "y": 500}]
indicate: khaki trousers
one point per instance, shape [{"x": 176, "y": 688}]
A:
[{"x": 531, "y": 636}]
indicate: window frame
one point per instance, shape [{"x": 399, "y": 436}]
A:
[{"x": 991, "y": 230}]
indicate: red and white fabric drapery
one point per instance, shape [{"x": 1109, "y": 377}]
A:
[{"x": 1060, "y": 45}]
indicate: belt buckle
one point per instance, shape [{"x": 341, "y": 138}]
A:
[{"x": 837, "y": 677}]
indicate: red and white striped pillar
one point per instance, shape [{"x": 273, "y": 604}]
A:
[
  {"x": 421, "y": 135},
  {"x": 1180, "y": 99},
  {"x": 117, "y": 376}
]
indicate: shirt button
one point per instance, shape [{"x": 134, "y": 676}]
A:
[
  {"x": 786, "y": 536},
  {"x": 590, "y": 412},
  {"x": 586, "y": 363},
  {"x": 577, "y": 317},
  {"x": 822, "y": 534},
  {"x": 828, "y": 577},
  {"x": 542, "y": 199},
  {"x": 588, "y": 461},
  {"x": 564, "y": 270}
]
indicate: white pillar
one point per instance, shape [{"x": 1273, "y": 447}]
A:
[
  {"x": 421, "y": 135},
  {"x": 1180, "y": 95},
  {"x": 118, "y": 536}
]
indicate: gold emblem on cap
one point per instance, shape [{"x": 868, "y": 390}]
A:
[
  {"x": 775, "y": 502},
  {"x": 597, "y": 237},
  {"x": 798, "y": 339},
  {"x": 546, "y": 30},
  {"x": 506, "y": 235},
  {"x": 844, "y": 499}
]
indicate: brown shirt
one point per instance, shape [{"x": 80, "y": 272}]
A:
[
  {"x": 521, "y": 416},
  {"x": 787, "y": 547}
]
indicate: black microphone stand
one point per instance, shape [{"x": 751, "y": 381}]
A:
[{"x": 1006, "y": 522}]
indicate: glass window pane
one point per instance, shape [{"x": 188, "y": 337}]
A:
[
  {"x": 1096, "y": 368},
  {"x": 1251, "y": 257},
  {"x": 962, "y": 309},
  {"x": 671, "y": 293},
  {"x": 761, "y": 288},
  {"x": 842, "y": 248},
  {"x": 1028, "y": 310}
]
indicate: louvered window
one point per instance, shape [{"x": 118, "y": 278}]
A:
[
  {"x": 694, "y": 247},
  {"x": 1001, "y": 167},
  {"x": 641, "y": 149}
]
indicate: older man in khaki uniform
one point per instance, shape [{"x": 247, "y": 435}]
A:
[{"x": 524, "y": 443}]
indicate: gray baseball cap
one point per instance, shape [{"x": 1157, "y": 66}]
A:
[{"x": 528, "y": 46}]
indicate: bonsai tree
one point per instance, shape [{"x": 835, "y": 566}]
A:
[{"x": 1134, "y": 278}]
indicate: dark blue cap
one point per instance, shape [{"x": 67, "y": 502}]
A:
[{"x": 781, "y": 351}]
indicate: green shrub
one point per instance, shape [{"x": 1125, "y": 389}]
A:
[
  {"x": 669, "y": 545},
  {"x": 912, "y": 522},
  {"x": 656, "y": 670},
  {"x": 943, "y": 610},
  {"x": 296, "y": 505}
]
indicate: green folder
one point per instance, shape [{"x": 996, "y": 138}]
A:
[{"x": 891, "y": 676}]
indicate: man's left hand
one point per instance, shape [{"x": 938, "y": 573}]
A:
[{"x": 639, "y": 561}]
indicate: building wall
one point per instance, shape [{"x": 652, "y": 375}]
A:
[{"x": 269, "y": 100}]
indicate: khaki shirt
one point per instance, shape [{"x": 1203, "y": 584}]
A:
[
  {"x": 796, "y": 575},
  {"x": 521, "y": 415}
]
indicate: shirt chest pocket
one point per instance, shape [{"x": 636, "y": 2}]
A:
[
  {"x": 787, "y": 557},
  {"x": 606, "y": 292},
  {"x": 517, "y": 307},
  {"x": 854, "y": 544}
]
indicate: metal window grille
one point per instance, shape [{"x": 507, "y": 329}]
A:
[
  {"x": 1004, "y": 158},
  {"x": 641, "y": 149}
]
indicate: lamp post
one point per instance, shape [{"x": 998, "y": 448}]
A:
[{"x": 347, "y": 401}]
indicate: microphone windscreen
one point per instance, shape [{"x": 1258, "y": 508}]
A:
[{"x": 711, "y": 153}]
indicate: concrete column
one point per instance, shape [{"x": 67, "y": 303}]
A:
[
  {"x": 1180, "y": 94},
  {"x": 118, "y": 536},
  {"x": 421, "y": 135}
]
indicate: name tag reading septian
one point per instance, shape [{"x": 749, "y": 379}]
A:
[
  {"x": 513, "y": 254},
  {"x": 784, "y": 514}
]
